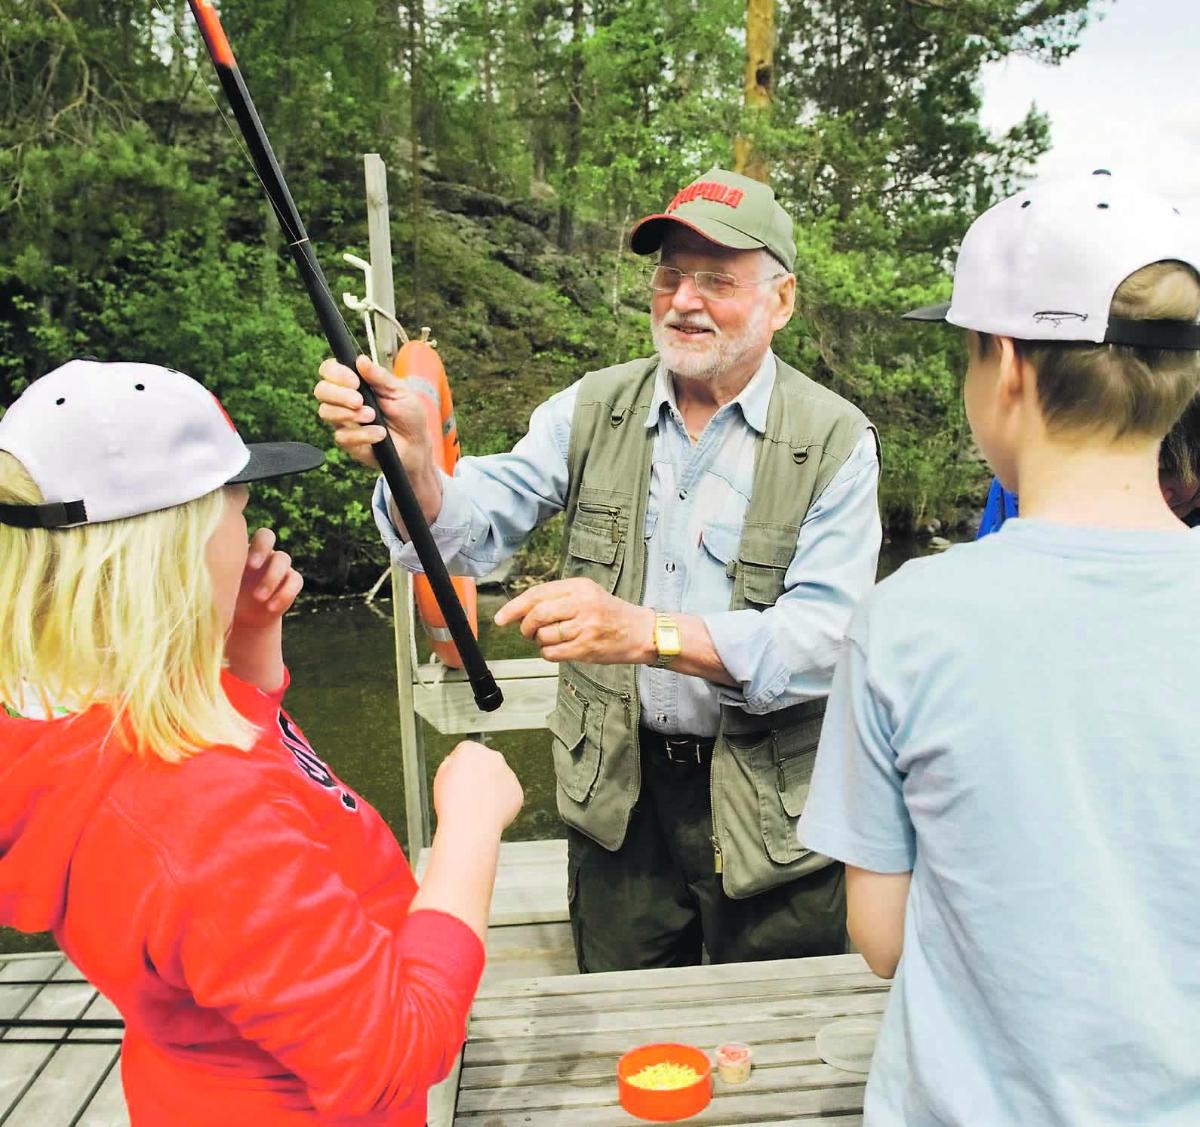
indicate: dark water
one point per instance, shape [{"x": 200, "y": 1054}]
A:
[{"x": 343, "y": 695}]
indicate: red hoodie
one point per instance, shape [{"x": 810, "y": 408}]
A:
[{"x": 248, "y": 915}]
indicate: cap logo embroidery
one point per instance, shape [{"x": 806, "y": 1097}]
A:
[
  {"x": 707, "y": 190},
  {"x": 1057, "y": 316}
]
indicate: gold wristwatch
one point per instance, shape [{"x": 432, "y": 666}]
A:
[{"x": 666, "y": 640}]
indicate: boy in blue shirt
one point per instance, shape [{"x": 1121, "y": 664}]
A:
[{"x": 1010, "y": 765}]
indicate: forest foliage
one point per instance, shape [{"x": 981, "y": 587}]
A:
[{"x": 134, "y": 227}]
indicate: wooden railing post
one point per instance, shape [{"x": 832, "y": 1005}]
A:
[{"x": 412, "y": 750}]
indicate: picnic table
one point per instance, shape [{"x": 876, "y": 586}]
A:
[{"x": 543, "y": 1051}]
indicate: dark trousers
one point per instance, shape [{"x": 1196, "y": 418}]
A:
[{"x": 658, "y": 902}]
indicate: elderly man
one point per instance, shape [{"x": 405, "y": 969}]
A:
[{"x": 721, "y": 525}]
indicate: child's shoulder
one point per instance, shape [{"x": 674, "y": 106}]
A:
[{"x": 960, "y": 572}]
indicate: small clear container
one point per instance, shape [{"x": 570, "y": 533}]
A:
[
  {"x": 849, "y": 1044},
  {"x": 733, "y": 1062}
]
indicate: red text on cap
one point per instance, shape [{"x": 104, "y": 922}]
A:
[{"x": 707, "y": 190}]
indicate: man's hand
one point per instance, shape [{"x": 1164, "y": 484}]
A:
[
  {"x": 577, "y": 620},
  {"x": 356, "y": 431}
]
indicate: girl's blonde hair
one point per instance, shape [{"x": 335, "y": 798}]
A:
[{"x": 119, "y": 614}]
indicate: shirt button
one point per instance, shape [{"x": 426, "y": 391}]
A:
[
  {"x": 683, "y": 494},
  {"x": 669, "y": 565}
]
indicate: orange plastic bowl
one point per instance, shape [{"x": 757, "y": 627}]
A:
[{"x": 674, "y": 1103}]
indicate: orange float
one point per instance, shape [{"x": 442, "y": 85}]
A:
[{"x": 418, "y": 362}]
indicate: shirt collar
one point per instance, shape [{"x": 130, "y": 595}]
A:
[{"x": 753, "y": 399}]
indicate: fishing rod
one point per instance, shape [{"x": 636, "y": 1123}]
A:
[{"x": 488, "y": 696}]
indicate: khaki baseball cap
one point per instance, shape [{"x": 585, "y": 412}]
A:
[{"x": 727, "y": 209}]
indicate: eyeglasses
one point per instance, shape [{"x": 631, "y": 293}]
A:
[{"x": 709, "y": 283}]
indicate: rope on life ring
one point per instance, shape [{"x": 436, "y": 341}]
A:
[{"x": 419, "y": 363}]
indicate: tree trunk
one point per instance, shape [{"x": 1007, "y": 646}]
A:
[
  {"x": 388, "y": 19},
  {"x": 574, "y": 146},
  {"x": 416, "y": 15},
  {"x": 759, "y": 86}
]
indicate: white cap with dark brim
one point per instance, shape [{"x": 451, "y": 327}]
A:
[
  {"x": 106, "y": 442},
  {"x": 1044, "y": 265}
]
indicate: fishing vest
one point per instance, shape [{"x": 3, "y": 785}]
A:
[{"x": 761, "y": 764}]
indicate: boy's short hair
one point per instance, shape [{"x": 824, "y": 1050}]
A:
[{"x": 1121, "y": 389}]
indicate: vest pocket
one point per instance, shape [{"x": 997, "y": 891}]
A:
[
  {"x": 764, "y": 556},
  {"x": 594, "y": 551},
  {"x": 762, "y": 585},
  {"x": 576, "y": 756},
  {"x": 782, "y": 777}
]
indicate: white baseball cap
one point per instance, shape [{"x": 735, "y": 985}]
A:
[
  {"x": 1044, "y": 264},
  {"x": 108, "y": 441}
]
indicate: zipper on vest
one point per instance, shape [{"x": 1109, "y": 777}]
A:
[
  {"x": 625, "y": 697},
  {"x": 718, "y": 860},
  {"x": 610, "y": 511}
]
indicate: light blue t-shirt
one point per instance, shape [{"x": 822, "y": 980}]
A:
[{"x": 1016, "y": 722}]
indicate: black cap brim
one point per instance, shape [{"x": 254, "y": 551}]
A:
[
  {"x": 928, "y": 313},
  {"x": 277, "y": 459}
]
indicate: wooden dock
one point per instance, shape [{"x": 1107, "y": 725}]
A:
[
  {"x": 59, "y": 1075},
  {"x": 55, "y": 1075},
  {"x": 542, "y": 1043}
]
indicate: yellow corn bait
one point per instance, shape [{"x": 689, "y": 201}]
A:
[{"x": 664, "y": 1076}]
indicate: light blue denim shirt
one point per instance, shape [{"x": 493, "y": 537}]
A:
[{"x": 699, "y": 494}]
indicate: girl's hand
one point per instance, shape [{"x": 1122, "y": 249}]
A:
[
  {"x": 269, "y": 584},
  {"x": 474, "y": 786}
]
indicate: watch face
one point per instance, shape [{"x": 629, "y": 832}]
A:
[{"x": 666, "y": 639}]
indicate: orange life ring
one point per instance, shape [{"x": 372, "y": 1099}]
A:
[{"x": 419, "y": 363}]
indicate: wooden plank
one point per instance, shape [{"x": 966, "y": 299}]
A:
[
  {"x": 412, "y": 751},
  {"x": 663, "y": 998},
  {"x": 63, "y": 1089},
  {"x": 450, "y": 706},
  {"x": 797, "y": 1060},
  {"x": 531, "y": 883},
  {"x": 507, "y": 669},
  {"x": 379, "y": 235},
  {"x": 443, "y": 1098},
  {"x": 601, "y": 1091},
  {"x": 527, "y": 951},
  {"x": 22, "y": 1065},
  {"x": 107, "y": 1107},
  {"x": 412, "y": 748},
  {"x": 520, "y": 856},
  {"x": 708, "y": 1024},
  {"x": 99, "y": 1008},
  {"x": 768, "y": 972},
  {"x": 793, "y": 1107},
  {"x": 22, "y": 978}
]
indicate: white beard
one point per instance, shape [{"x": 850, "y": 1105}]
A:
[{"x": 706, "y": 357}]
